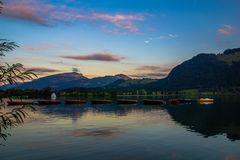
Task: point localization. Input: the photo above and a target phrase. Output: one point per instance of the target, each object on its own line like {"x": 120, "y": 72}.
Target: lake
{"x": 128, "y": 132}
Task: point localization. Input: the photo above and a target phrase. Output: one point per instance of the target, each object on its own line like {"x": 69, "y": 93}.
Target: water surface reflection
{"x": 190, "y": 131}
{"x": 208, "y": 120}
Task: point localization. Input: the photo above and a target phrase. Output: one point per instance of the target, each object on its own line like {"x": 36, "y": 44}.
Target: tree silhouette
{"x": 11, "y": 74}
{"x": 1, "y": 6}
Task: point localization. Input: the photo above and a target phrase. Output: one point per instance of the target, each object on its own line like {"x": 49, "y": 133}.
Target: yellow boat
{"x": 206, "y": 101}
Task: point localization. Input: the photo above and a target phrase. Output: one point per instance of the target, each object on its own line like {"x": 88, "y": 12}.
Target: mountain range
{"x": 206, "y": 70}
{"x": 67, "y": 80}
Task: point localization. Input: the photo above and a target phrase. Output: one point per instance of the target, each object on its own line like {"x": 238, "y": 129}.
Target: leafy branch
{"x": 13, "y": 118}
{"x": 11, "y": 74}
{"x": 1, "y": 6}
{"x": 6, "y": 46}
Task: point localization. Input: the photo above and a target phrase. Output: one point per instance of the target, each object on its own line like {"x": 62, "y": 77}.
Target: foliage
{"x": 1, "y": 6}
{"x": 12, "y": 118}
{"x": 10, "y": 74}
{"x": 27, "y": 93}
{"x": 229, "y": 58}
{"x": 6, "y": 46}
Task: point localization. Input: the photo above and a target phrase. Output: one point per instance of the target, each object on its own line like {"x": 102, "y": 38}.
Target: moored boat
{"x": 101, "y": 101}
{"x": 186, "y": 100}
{"x": 72, "y": 102}
{"x": 48, "y": 102}
{"x": 205, "y": 103}
{"x": 173, "y": 101}
{"x": 154, "y": 102}
{"x": 206, "y": 100}
{"x": 181, "y": 101}
{"x": 19, "y": 103}
{"x": 126, "y": 101}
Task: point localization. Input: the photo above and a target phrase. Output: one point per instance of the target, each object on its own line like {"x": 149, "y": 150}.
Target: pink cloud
{"x": 120, "y": 20}
{"x": 226, "y": 30}
{"x": 43, "y": 70}
{"x": 149, "y": 75}
{"x": 105, "y": 132}
{"x": 102, "y": 56}
{"x": 25, "y": 11}
{"x": 155, "y": 68}
{"x": 152, "y": 71}
{"x": 46, "y": 14}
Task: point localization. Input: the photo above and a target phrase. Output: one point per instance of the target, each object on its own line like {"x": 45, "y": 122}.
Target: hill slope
{"x": 68, "y": 80}
{"x": 206, "y": 70}
{"x": 53, "y": 81}
{"x": 202, "y": 71}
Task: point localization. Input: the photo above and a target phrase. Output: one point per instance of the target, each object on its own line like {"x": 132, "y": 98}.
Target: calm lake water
{"x": 129, "y": 132}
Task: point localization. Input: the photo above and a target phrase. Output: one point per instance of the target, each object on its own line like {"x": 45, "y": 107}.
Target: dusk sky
{"x": 139, "y": 38}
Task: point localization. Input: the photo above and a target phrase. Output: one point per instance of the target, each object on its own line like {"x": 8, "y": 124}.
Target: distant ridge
{"x": 68, "y": 80}
{"x": 205, "y": 70}
{"x": 52, "y": 81}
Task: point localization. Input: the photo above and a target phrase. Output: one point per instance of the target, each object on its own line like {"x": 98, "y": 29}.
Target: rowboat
{"x": 206, "y": 100}
{"x": 101, "y": 102}
{"x": 154, "y": 102}
{"x": 186, "y": 100}
{"x": 173, "y": 101}
{"x": 72, "y": 102}
{"x": 19, "y": 103}
{"x": 126, "y": 101}
{"x": 48, "y": 102}
{"x": 181, "y": 101}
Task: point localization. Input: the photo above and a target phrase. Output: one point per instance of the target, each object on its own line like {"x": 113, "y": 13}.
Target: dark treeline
{"x": 27, "y": 94}
{"x": 101, "y": 92}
